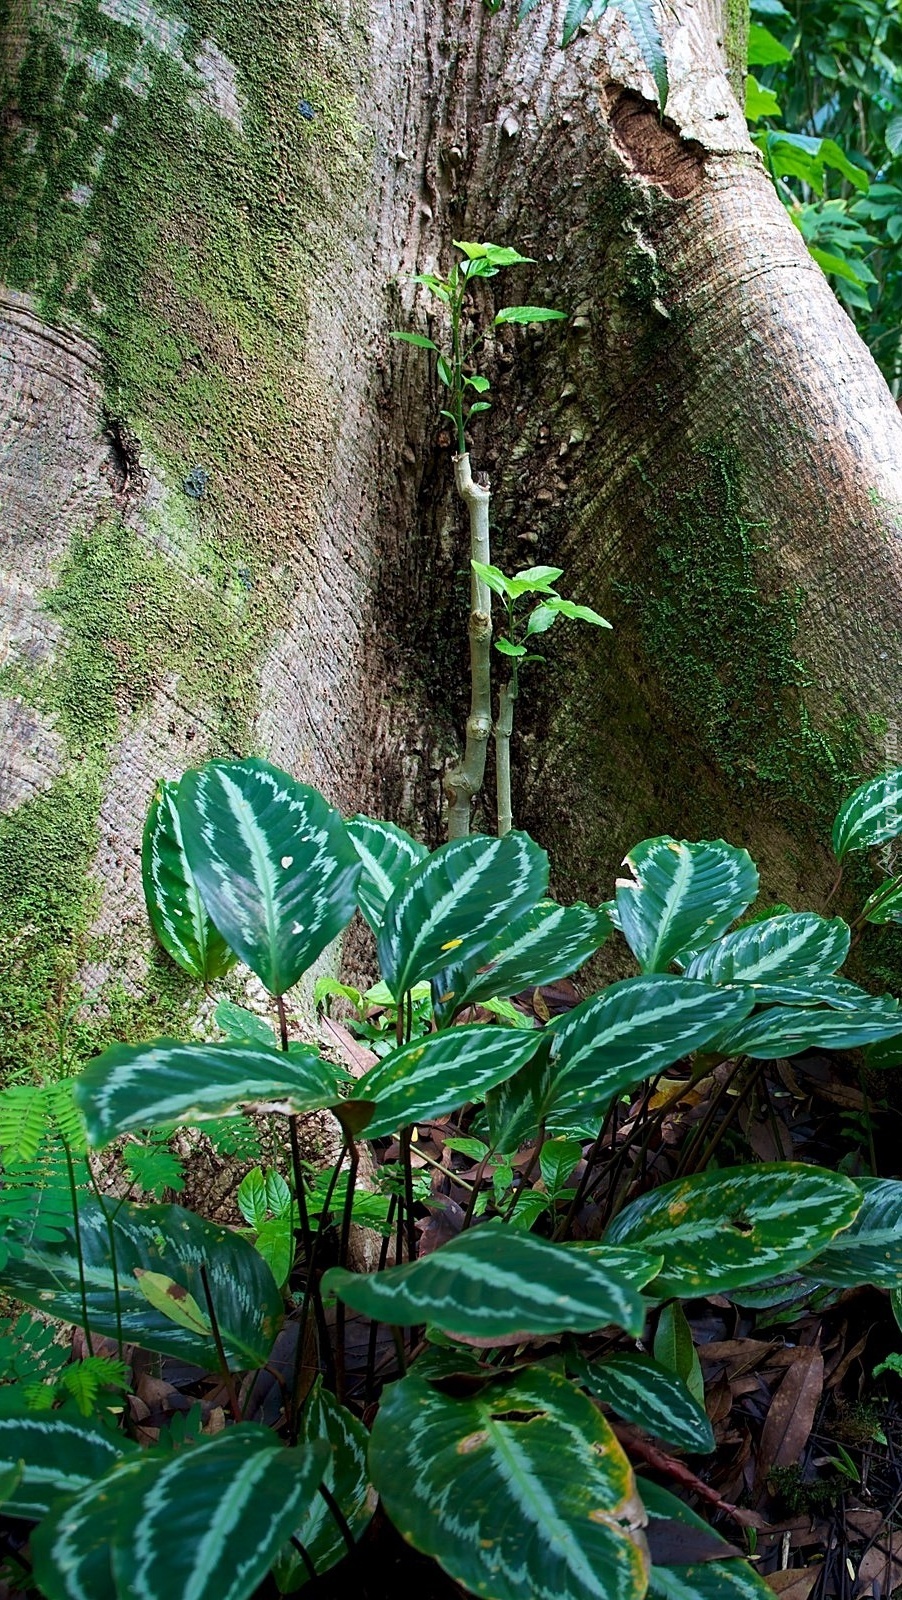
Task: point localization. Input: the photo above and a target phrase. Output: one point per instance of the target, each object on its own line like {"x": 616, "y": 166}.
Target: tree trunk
{"x": 229, "y": 513}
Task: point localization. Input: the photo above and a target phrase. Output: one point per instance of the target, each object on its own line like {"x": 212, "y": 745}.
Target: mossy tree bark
{"x": 230, "y": 519}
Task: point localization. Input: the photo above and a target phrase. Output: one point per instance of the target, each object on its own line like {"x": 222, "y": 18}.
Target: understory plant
{"x": 467, "y": 391}
{"x": 498, "y": 1378}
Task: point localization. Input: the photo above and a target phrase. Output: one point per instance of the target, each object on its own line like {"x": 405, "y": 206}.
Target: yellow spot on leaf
{"x": 473, "y": 1441}
{"x": 452, "y": 944}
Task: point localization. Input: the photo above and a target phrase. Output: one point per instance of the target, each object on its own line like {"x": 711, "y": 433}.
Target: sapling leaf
{"x": 505, "y": 647}
{"x": 419, "y": 339}
{"x": 524, "y": 314}
{"x": 478, "y": 382}
{"x": 567, "y": 608}
{"x": 541, "y": 620}
{"x": 480, "y": 405}
{"x": 498, "y": 255}
{"x": 444, "y": 372}
{"x": 436, "y": 286}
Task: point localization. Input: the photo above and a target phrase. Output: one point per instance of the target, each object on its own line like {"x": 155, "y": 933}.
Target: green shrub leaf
{"x": 549, "y": 942}
{"x": 643, "y": 1392}
{"x": 520, "y": 1490}
{"x": 495, "y": 1284}
{"x": 870, "y": 1250}
{"x": 177, "y": 913}
{"x": 728, "y": 1579}
{"x": 60, "y": 1454}
{"x": 453, "y": 905}
{"x": 631, "y": 1031}
{"x": 799, "y": 945}
{"x": 440, "y": 1073}
{"x": 347, "y": 1476}
{"x": 163, "y": 1239}
{"x": 273, "y": 862}
{"x": 785, "y": 1030}
{"x": 872, "y": 815}
{"x": 524, "y": 314}
{"x": 722, "y": 1230}
{"x": 387, "y": 853}
{"x": 148, "y": 1085}
{"x": 681, "y": 895}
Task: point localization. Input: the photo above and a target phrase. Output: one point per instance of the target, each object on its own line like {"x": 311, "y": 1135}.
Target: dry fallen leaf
{"x": 796, "y": 1583}
{"x": 791, "y": 1415}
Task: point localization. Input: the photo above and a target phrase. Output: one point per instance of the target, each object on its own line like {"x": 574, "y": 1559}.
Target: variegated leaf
{"x": 347, "y": 1477}
{"x": 177, "y": 913}
{"x": 163, "y": 1239}
{"x": 872, "y": 815}
{"x": 633, "y": 1030}
{"x": 838, "y": 993}
{"x": 453, "y": 905}
{"x": 274, "y": 864}
{"x": 60, "y": 1454}
{"x": 885, "y": 904}
{"x": 784, "y": 1030}
{"x": 72, "y": 1550}
{"x": 645, "y": 1393}
{"x": 549, "y": 942}
{"x": 801, "y": 945}
{"x": 439, "y": 1074}
{"x": 204, "y": 1522}
{"x": 520, "y": 1490}
{"x": 494, "y": 1283}
{"x": 387, "y": 854}
{"x": 724, "y": 1229}
{"x": 681, "y": 896}
{"x": 134, "y": 1086}
{"x": 729, "y": 1578}
{"x": 870, "y": 1250}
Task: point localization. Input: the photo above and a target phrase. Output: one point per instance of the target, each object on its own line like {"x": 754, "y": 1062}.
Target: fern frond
{"x": 85, "y": 1379}
{"x": 154, "y": 1168}
{"x": 64, "y": 1114}
{"x": 23, "y": 1121}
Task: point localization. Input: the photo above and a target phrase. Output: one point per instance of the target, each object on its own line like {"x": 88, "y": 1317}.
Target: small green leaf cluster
{"x": 466, "y": 388}
{"x": 531, "y": 581}
{"x": 505, "y": 1470}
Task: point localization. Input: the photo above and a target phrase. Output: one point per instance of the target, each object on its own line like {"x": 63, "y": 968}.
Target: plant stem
{"x": 111, "y": 1239}
{"x": 464, "y": 780}
{"x": 73, "y": 1195}
{"x": 305, "y": 1557}
{"x": 504, "y": 727}
{"x": 370, "y": 1373}
{"x": 338, "y": 1516}
{"x": 224, "y": 1368}
{"x": 342, "y": 1262}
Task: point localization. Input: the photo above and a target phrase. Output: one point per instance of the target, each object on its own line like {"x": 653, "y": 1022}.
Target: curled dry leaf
{"x": 792, "y": 1412}
{"x": 796, "y": 1583}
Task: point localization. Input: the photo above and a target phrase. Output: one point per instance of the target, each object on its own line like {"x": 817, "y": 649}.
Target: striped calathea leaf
{"x": 152, "y": 1085}
{"x": 496, "y": 1285}
{"x": 274, "y": 864}
{"x": 61, "y": 1454}
{"x": 347, "y": 1477}
{"x": 643, "y": 1392}
{"x": 521, "y": 1489}
{"x": 837, "y": 993}
{"x": 161, "y": 1239}
{"x": 453, "y": 905}
{"x": 800, "y": 945}
{"x": 387, "y": 854}
{"x": 870, "y": 1249}
{"x": 784, "y": 1030}
{"x": 206, "y": 1521}
{"x": 177, "y": 913}
{"x": 631, "y": 1031}
{"x": 548, "y": 942}
{"x": 681, "y": 895}
{"x": 721, "y": 1230}
{"x": 870, "y": 816}
{"x": 678, "y": 1573}
{"x": 885, "y": 904}
{"x": 439, "y": 1073}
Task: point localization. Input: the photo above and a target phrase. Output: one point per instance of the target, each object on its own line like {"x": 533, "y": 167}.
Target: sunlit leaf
{"x": 681, "y": 895}
{"x": 871, "y": 815}
{"x": 177, "y": 913}
{"x": 547, "y": 943}
{"x": 387, "y": 853}
{"x": 799, "y": 945}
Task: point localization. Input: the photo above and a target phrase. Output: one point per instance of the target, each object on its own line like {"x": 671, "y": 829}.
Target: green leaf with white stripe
{"x": 387, "y": 854}
{"x": 548, "y": 943}
{"x": 785, "y": 1030}
{"x": 872, "y": 815}
{"x": 273, "y": 861}
{"x": 205, "y": 1523}
{"x": 440, "y": 1073}
{"x": 802, "y": 945}
{"x": 643, "y": 1392}
{"x": 838, "y": 993}
{"x": 885, "y": 904}
{"x": 72, "y": 1549}
{"x": 494, "y": 1284}
{"x": 632, "y": 1031}
{"x": 151, "y": 1085}
{"x": 681, "y": 896}
{"x": 730, "y": 1578}
{"x": 346, "y": 1475}
{"x": 453, "y": 905}
{"x": 237, "y": 1022}
{"x": 164, "y": 1239}
{"x": 60, "y": 1454}
{"x": 722, "y": 1230}
{"x": 177, "y": 913}
{"x": 870, "y": 1250}
{"x": 520, "y": 1490}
